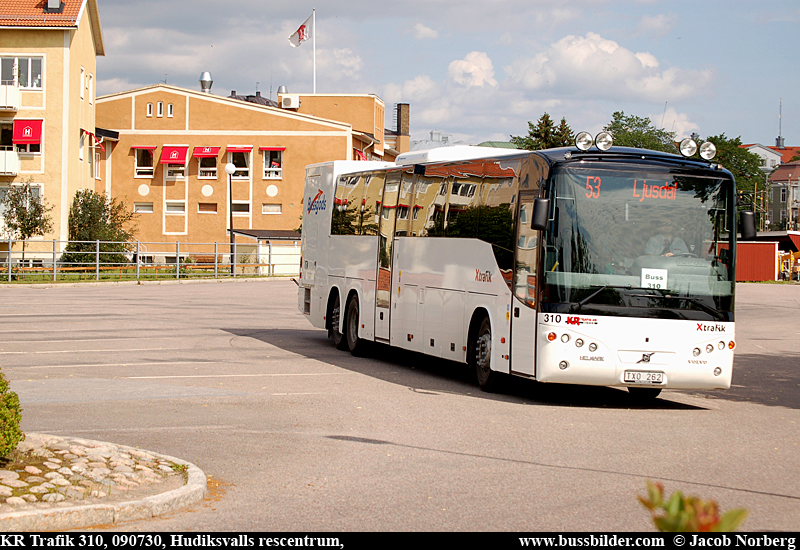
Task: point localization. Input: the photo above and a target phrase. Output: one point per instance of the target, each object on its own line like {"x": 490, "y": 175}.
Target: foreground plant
{"x": 688, "y": 513}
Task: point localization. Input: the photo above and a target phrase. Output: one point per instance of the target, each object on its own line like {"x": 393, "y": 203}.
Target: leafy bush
{"x": 688, "y": 513}
{"x": 10, "y": 417}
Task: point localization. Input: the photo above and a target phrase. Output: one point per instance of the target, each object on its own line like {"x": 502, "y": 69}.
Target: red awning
{"x": 205, "y": 152}
{"x": 239, "y": 148}
{"x": 27, "y": 132}
{"x": 174, "y": 154}
{"x": 271, "y": 148}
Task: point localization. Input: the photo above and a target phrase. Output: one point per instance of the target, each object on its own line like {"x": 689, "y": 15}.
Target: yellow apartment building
{"x": 48, "y": 51}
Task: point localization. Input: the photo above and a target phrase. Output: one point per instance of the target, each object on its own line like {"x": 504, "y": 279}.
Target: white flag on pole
{"x": 303, "y": 33}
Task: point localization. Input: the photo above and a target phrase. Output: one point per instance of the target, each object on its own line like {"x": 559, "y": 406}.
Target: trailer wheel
{"x": 481, "y": 356}
{"x": 333, "y": 330}
{"x": 354, "y": 343}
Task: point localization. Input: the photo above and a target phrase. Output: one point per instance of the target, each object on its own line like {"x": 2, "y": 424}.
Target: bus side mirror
{"x": 748, "y": 225}
{"x": 541, "y": 209}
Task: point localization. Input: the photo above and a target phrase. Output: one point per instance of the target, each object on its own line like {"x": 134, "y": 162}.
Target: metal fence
{"x": 102, "y": 260}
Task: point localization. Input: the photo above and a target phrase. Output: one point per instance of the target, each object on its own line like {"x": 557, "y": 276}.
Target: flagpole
{"x": 314, "y": 49}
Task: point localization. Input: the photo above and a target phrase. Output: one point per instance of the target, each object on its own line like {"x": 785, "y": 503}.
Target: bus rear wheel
{"x": 354, "y": 343}
{"x": 333, "y": 331}
{"x": 643, "y": 394}
{"x": 481, "y": 356}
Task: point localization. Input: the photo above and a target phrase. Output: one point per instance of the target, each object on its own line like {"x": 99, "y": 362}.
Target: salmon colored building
{"x": 48, "y": 51}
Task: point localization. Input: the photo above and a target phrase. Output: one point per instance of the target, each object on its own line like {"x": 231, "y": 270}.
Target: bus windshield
{"x": 644, "y": 240}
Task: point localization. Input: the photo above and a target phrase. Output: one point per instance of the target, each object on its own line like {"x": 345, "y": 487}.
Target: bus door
{"x": 386, "y": 223}
{"x": 526, "y": 285}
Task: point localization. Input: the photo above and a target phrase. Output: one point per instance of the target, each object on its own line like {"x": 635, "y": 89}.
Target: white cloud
{"x": 422, "y": 32}
{"x": 673, "y": 121}
{"x": 475, "y": 69}
{"x": 658, "y": 25}
{"x": 594, "y": 67}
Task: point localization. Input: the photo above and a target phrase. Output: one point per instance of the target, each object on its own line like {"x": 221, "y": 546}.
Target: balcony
{"x": 10, "y": 97}
{"x": 9, "y": 161}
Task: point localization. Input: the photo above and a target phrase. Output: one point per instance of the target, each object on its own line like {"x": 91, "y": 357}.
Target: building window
{"x": 402, "y": 212}
{"x": 273, "y": 165}
{"x": 97, "y": 165}
{"x": 90, "y": 88}
{"x": 160, "y": 109}
{"x": 783, "y": 194}
{"x": 81, "y": 146}
{"x": 176, "y": 171}
{"x": 29, "y": 71}
{"x": 170, "y": 110}
{"x": 207, "y": 168}
{"x": 143, "y": 207}
{"x": 269, "y": 208}
{"x": 36, "y": 192}
{"x": 240, "y": 208}
{"x": 207, "y": 208}
{"x": 149, "y": 109}
{"x": 242, "y": 163}
{"x": 144, "y": 163}
{"x": 176, "y": 207}
{"x": 83, "y": 81}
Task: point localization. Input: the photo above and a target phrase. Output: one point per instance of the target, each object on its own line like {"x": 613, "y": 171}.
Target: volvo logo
{"x": 646, "y": 357}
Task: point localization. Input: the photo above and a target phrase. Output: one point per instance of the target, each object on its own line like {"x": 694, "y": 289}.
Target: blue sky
{"x": 480, "y": 70}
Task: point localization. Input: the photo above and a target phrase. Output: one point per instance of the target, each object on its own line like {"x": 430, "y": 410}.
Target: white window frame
{"x": 176, "y": 171}
{"x": 783, "y": 194}
{"x": 143, "y": 207}
{"x": 81, "y": 146}
{"x": 241, "y": 213}
{"x": 170, "y": 110}
{"x": 149, "y": 109}
{"x": 160, "y": 109}
{"x": 90, "y": 88}
{"x": 97, "y": 159}
{"x": 144, "y": 171}
{"x": 82, "y": 83}
{"x": 207, "y": 173}
{"x": 269, "y": 208}
{"x": 15, "y": 60}
{"x": 176, "y": 208}
{"x": 241, "y": 173}
{"x": 271, "y": 173}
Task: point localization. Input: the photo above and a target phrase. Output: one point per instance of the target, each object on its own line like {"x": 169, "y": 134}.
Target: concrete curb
{"x": 78, "y": 516}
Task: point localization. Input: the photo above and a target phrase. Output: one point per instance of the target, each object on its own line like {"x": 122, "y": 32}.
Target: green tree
{"x": 744, "y": 165}
{"x": 634, "y": 131}
{"x": 545, "y": 135}
{"x": 97, "y": 217}
{"x": 26, "y": 214}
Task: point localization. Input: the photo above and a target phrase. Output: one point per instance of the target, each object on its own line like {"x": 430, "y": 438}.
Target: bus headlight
{"x": 551, "y": 336}
{"x": 579, "y": 342}
{"x": 604, "y": 141}
{"x": 708, "y": 150}
{"x": 592, "y": 347}
{"x": 563, "y": 365}
{"x": 709, "y": 348}
{"x": 696, "y": 352}
{"x": 721, "y": 345}
{"x": 688, "y": 147}
{"x": 717, "y": 371}
{"x": 583, "y": 141}
{"x": 565, "y": 338}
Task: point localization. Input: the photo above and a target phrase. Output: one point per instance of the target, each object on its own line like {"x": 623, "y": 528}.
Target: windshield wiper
{"x": 574, "y": 308}
{"x": 695, "y": 301}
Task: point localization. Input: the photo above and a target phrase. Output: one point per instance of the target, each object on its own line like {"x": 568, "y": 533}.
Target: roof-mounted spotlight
{"x": 583, "y": 141}
{"x": 604, "y": 141}
{"x": 708, "y": 150}
{"x": 688, "y": 147}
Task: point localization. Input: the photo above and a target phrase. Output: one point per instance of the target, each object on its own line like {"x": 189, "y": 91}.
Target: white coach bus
{"x": 591, "y": 264}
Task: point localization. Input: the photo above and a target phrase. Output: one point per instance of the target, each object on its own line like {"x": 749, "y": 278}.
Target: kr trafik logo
{"x": 483, "y": 276}
{"x": 716, "y": 327}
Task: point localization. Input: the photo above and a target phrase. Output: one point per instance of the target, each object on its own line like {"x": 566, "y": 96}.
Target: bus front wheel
{"x": 354, "y": 343}
{"x": 481, "y": 356}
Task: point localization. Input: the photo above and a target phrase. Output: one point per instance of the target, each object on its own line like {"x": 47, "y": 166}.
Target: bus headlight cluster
{"x": 602, "y": 141}
{"x": 565, "y": 338}
{"x": 688, "y": 147}
{"x": 710, "y": 347}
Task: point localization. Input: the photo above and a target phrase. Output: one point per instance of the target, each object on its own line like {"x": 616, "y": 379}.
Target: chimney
{"x": 206, "y": 82}
{"x": 403, "y": 128}
{"x": 258, "y": 94}
{"x": 779, "y": 142}
{"x": 53, "y": 4}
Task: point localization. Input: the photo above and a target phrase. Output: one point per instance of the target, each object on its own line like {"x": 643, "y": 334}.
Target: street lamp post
{"x": 230, "y": 168}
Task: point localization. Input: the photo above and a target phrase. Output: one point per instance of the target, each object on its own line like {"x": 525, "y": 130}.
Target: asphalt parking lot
{"x": 297, "y": 436}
